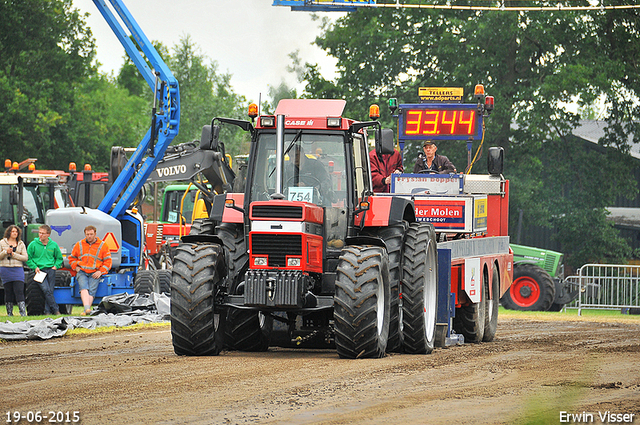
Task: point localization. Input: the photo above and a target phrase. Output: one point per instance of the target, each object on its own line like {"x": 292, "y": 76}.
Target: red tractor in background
{"x": 310, "y": 249}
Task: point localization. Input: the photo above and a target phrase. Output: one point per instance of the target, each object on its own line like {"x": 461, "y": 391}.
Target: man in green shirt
{"x": 45, "y": 256}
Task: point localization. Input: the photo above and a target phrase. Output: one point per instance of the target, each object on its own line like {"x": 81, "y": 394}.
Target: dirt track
{"x": 533, "y": 369}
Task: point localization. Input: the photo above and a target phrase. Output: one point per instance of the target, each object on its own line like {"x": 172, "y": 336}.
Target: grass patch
{"x": 588, "y": 315}
{"x": 112, "y": 329}
{"x": 17, "y": 318}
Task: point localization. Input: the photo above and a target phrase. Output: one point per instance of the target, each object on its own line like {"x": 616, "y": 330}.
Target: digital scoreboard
{"x": 440, "y": 122}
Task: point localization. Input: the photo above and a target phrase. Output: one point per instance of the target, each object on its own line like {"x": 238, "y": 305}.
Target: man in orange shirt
{"x": 90, "y": 259}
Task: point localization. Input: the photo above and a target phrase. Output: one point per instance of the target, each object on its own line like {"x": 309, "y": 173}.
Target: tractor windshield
{"x": 313, "y": 168}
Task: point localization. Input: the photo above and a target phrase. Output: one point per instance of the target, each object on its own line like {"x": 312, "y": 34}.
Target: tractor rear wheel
{"x": 491, "y": 313}
{"x": 393, "y": 236}
{"x": 164, "y": 281}
{"x": 532, "y": 289}
{"x": 202, "y": 226}
{"x": 145, "y": 282}
{"x": 420, "y": 289}
{"x": 361, "y": 302}
{"x": 470, "y": 319}
{"x": 33, "y": 295}
{"x": 196, "y": 274}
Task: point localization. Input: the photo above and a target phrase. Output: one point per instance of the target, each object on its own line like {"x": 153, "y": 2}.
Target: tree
{"x": 46, "y": 52}
{"x": 204, "y": 94}
{"x": 533, "y": 63}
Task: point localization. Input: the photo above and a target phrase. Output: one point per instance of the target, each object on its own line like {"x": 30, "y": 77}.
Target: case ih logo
{"x": 298, "y": 122}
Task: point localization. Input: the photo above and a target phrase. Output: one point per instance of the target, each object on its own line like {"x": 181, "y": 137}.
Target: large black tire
{"x": 197, "y": 271}
{"x": 245, "y": 330}
{"x": 145, "y": 282}
{"x": 491, "y": 313}
{"x": 361, "y": 308}
{"x": 164, "y": 281}
{"x": 393, "y": 236}
{"x": 34, "y": 298}
{"x": 420, "y": 289}
{"x": 556, "y": 307}
{"x": 63, "y": 279}
{"x": 532, "y": 289}
{"x": 470, "y": 319}
{"x": 202, "y": 226}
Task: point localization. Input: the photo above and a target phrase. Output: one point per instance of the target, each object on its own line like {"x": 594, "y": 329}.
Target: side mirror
{"x": 13, "y": 196}
{"x": 495, "y": 162}
{"x": 205, "y": 138}
{"x": 384, "y": 141}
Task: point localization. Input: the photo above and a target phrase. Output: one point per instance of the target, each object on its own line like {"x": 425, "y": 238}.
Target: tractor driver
{"x": 305, "y": 171}
{"x": 431, "y": 162}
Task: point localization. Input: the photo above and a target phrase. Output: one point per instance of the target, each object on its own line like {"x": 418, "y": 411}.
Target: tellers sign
{"x": 441, "y": 122}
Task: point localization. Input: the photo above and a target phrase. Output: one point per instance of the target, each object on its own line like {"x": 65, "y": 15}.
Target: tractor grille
{"x": 277, "y": 247}
{"x": 548, "y": 263}
{"x": 276, "y": 211}
{"x": 159, "y": 234}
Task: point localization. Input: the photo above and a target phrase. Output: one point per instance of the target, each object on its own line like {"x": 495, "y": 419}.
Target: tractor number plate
{"x": 301, "y": 194}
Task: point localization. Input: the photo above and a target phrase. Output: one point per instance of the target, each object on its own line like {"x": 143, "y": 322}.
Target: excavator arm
{"x": 186, "y": 161}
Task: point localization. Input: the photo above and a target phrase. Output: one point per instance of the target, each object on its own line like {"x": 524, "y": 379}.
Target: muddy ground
{"x": 532, "y": 373}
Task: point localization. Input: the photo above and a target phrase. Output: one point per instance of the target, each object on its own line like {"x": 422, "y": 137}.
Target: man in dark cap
{"x": 431, "y": 162}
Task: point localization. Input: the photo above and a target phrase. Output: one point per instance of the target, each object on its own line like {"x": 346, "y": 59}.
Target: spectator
{"x": 45, "y": 256}
{"x": 13, "y": 254}
{"x": 90, "y": 259}
{"x": 431, "y": 162}
{"x": 382, "y": 166}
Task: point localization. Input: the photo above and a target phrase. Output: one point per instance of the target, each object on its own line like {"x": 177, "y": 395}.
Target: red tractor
{"x": 310, "y": 252}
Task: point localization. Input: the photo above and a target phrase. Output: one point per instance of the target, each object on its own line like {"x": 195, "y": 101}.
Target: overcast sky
{"x": 250, "y": 39}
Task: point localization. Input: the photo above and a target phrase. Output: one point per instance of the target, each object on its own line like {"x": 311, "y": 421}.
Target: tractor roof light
{"x": 72, "y": 167}
{"x": 488, "y": 104}
{"x": 32, "y": 167}
{"x": 268, "y": 121}
{"x": 253, "y": 111}
{"x": 393, "y": 104}
{"x": 15, "y": 166}
{"x": 334, "y": 122}
{"x": 478, "y": 93}
{"x": 7, "y": 164}
{"x": 374, "y": 112}
{"x": 87, "y": 167}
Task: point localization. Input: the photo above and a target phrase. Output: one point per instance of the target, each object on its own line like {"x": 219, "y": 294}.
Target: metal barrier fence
{"x": 606, "y": 286}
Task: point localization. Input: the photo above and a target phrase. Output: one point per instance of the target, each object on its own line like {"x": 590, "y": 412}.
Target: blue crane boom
{"x": 165, "y": 116}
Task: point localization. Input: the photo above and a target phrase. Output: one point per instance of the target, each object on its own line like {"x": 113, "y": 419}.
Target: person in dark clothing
{"x": 431, "y": 162}
{"x": 382, "y": 166}
{"x": 13, "y": 255}
{"x": 304, "y": 171}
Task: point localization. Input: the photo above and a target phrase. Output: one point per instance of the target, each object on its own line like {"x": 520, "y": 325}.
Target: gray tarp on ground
{"x": 115, "y": 310}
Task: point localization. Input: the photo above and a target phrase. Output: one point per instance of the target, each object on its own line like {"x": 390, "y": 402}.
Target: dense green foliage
{"x": 534, "y": 63}
{"x": 58, "y": 107}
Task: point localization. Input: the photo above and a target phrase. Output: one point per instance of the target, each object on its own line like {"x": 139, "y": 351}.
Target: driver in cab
{"x": 306, "y": 171}
{"x": 431, "y": 162}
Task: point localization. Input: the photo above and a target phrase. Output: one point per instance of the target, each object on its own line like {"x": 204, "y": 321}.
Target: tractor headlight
{"x": 260, "y": 261}
{"x": 293, "y": 262}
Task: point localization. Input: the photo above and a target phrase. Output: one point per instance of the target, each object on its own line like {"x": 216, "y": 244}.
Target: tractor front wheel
{"x": 361, "y": 308}
{"x": 195, "y": 324}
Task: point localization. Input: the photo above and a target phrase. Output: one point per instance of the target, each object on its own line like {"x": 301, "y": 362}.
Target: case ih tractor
{"x": 309, "y": 249}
